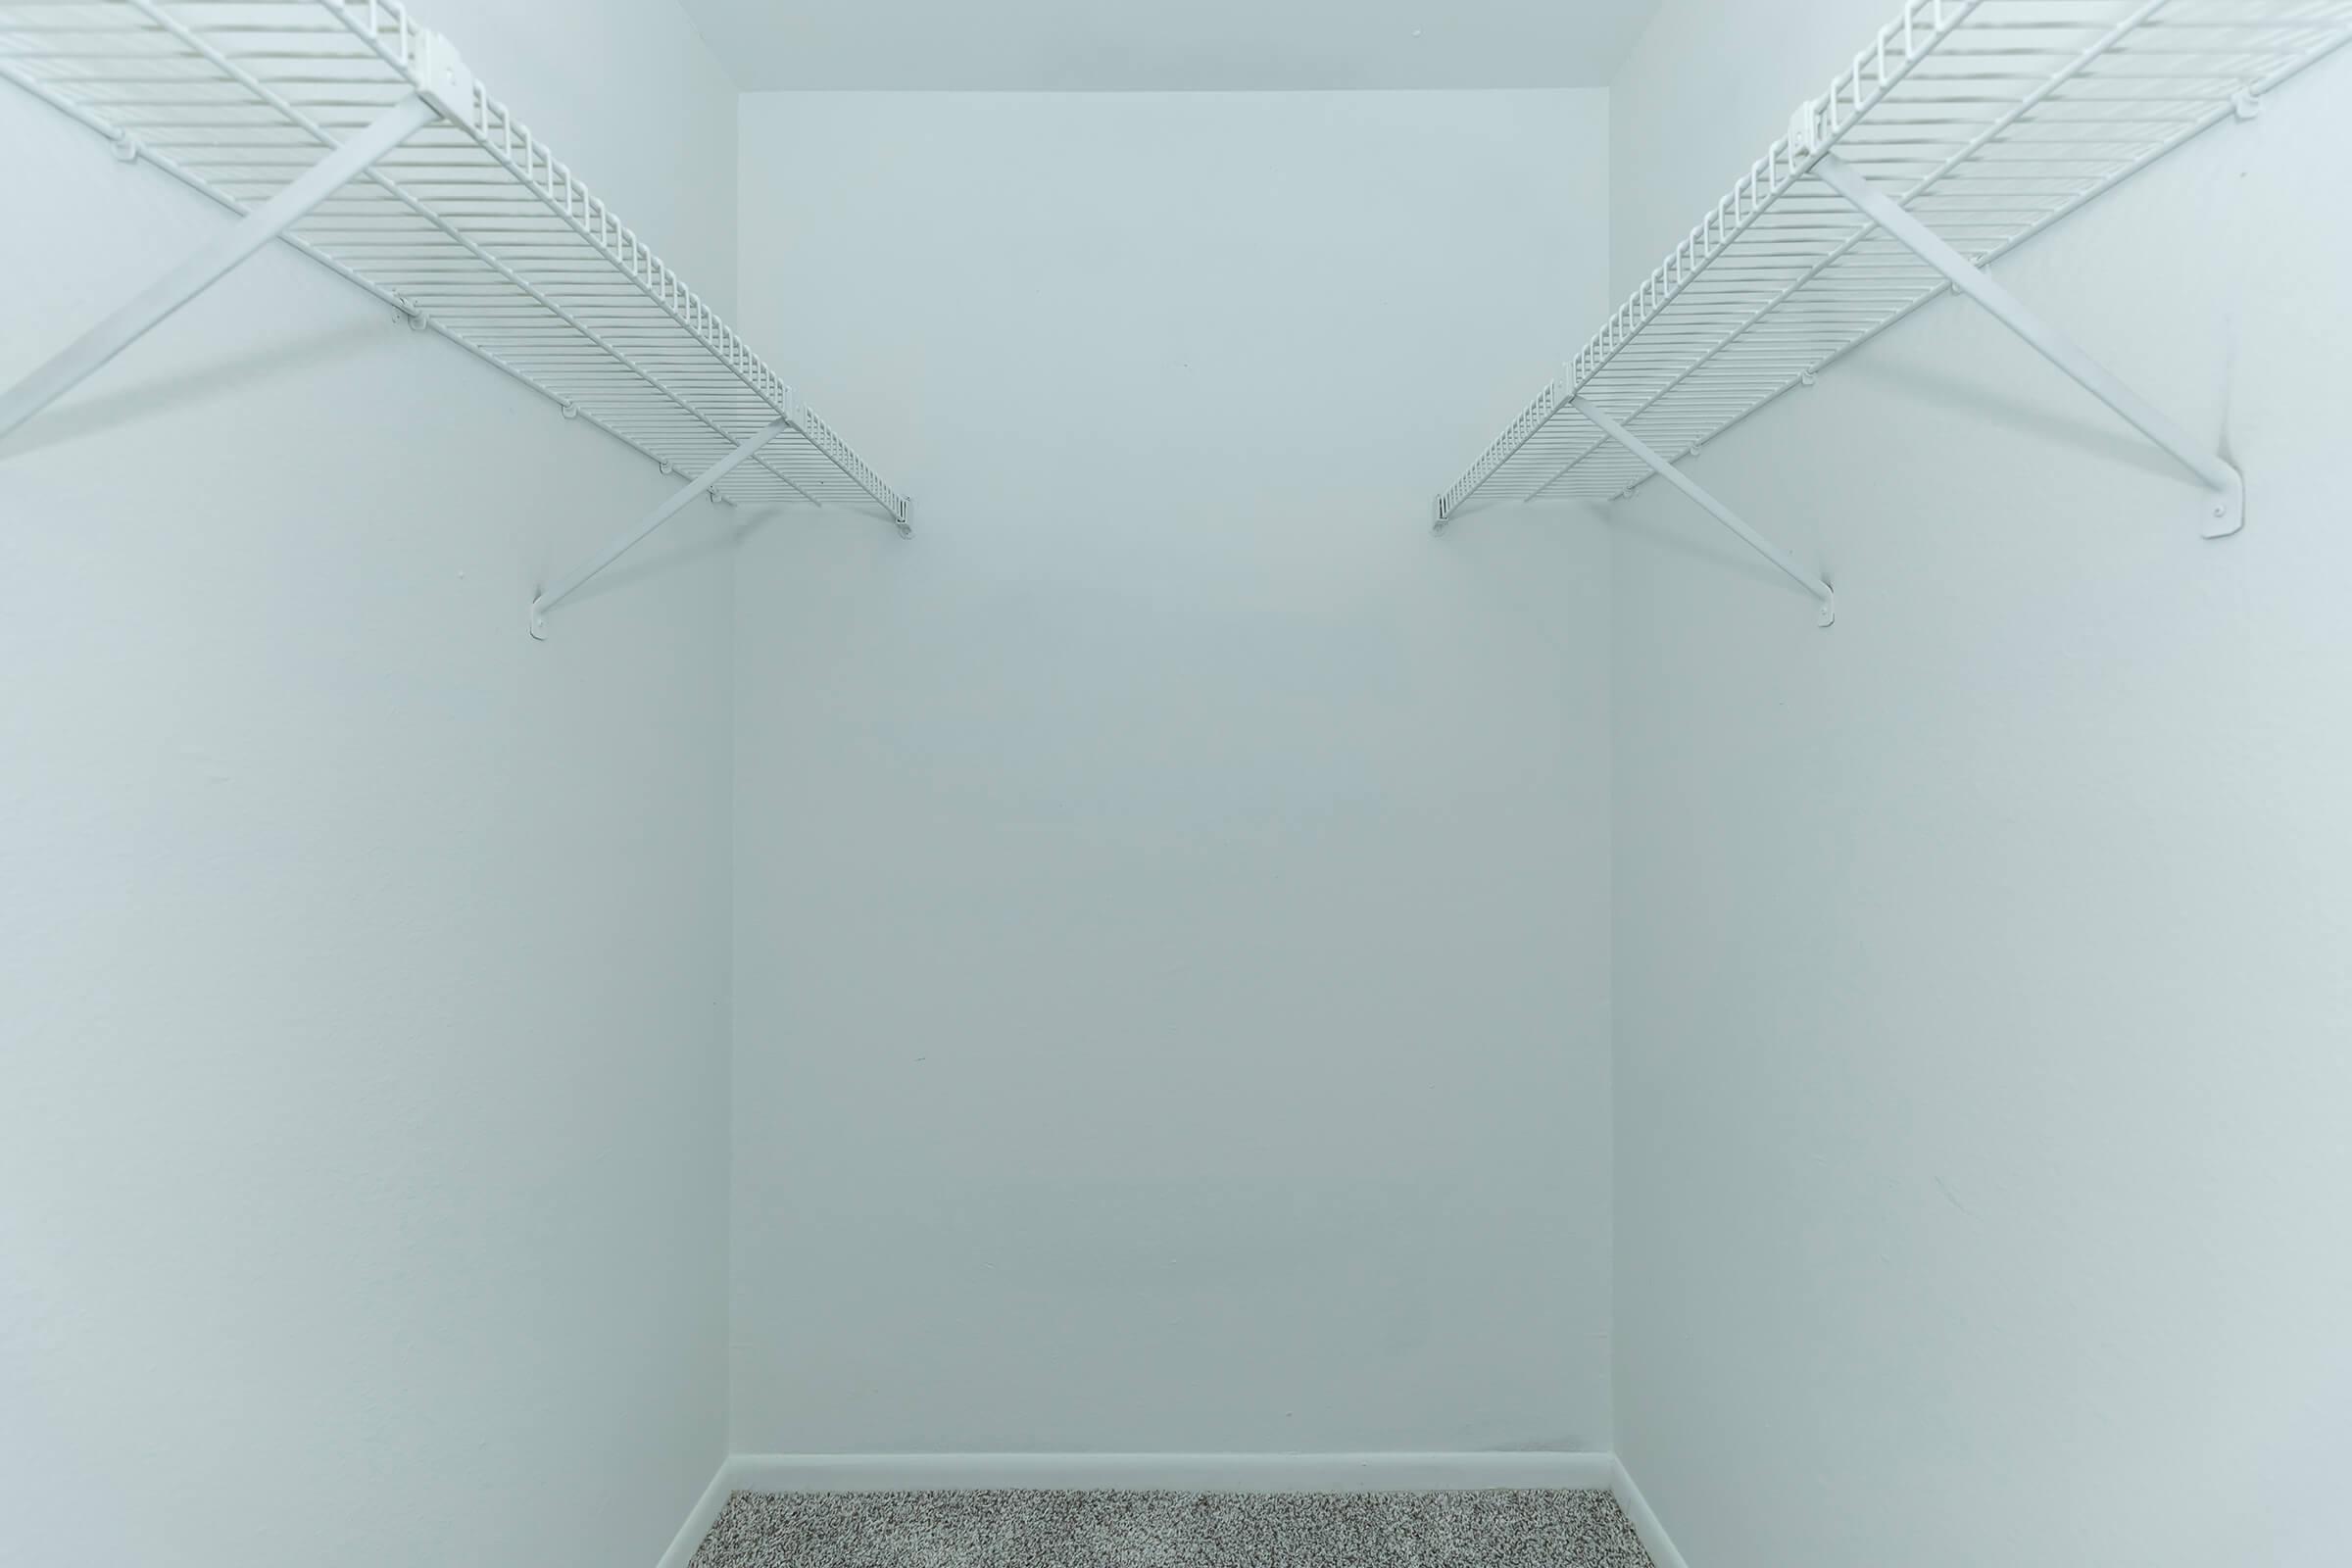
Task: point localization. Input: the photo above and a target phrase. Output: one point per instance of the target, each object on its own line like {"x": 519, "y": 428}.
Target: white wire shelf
{"x": 1986, "y": 120}
{"x": 468, "y": 226}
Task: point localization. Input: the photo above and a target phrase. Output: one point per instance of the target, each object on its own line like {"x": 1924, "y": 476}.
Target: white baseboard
{"x": 698, "y": 1523}
{"x": 1167, "y": 1472}
{"x": 1646, "y": 1523}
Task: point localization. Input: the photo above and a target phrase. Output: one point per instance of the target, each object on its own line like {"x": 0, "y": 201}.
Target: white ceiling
{"x": 1169, "y": 45}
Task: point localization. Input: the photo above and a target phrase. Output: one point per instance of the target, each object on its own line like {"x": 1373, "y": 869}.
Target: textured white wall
{"x": 1981, "y": 981}
{"x": 1172, "y": 896}
{"x": 363, "y": 1010}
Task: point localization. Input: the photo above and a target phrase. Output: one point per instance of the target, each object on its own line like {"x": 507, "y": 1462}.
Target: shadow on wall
{"x": 1937, "y": 394}
{"x": 2102, "y": 437}
{"x": 205, "y": 383}
{"x": 1714, "y": 547}
{"x": 692, "y": 540}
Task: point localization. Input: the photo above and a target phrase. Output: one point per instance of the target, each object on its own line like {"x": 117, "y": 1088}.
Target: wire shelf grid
{"x": 471, "y": 227}
{"x": 1989, "y": 120}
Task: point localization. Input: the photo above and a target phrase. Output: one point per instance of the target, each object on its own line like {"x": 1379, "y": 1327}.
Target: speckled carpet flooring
{"x": 1544, "y": 1529}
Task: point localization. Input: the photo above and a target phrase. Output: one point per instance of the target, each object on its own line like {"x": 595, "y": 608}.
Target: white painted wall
{"x": 1171, "y": 898}
{"x": 1980, "y": 982}
{"x": 1217, "y": 45}
{"x": 363, "y": 1012}
{"x": 1172, "y": 891}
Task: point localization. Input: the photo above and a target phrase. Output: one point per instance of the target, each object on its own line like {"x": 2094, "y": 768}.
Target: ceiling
{"x": 1168, "y": 45}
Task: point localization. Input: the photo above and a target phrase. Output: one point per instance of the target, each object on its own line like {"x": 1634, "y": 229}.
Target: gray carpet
{"x": 1546, "y": 1529}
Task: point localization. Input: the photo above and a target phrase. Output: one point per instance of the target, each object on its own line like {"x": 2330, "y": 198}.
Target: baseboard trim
{"x": 1644, "y": 1521}
{"x": 706, "y": 1514}
{"x": 1167, "y": 1472}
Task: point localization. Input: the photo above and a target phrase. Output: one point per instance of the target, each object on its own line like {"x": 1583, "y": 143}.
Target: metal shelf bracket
{"x": 215, "y": 261}
{"x": 2225, "y": 509}
{"x": 1656, "y": 460}
{"x": 548, "y": 598}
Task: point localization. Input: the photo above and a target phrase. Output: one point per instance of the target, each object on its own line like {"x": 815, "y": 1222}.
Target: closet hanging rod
{"x": 1964, "y": 129}
{"x": 295, "y": 115}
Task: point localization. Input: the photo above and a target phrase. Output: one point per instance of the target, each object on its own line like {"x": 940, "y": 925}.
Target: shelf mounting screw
{"x": 2247, "y": 103}
{"x": 571, "y": 410}
{"x": 126, "y": 147}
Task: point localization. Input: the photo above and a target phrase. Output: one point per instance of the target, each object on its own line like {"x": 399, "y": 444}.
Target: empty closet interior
{"x": 1570, "y": 779}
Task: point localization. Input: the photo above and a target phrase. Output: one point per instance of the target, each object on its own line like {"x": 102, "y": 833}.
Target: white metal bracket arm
{"x": 2225, "y": 513}
{"x": 553, "y": 595}
{"x": 213, "y": 262}
{"x": 1610, "y": 427}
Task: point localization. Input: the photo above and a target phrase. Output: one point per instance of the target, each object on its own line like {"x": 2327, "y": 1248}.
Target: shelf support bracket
{"x": 2225, "y": 511}
{"x": 550, "y": 597}
{"x": 1786, "y": 563}
{"x": 200, "y": 271}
